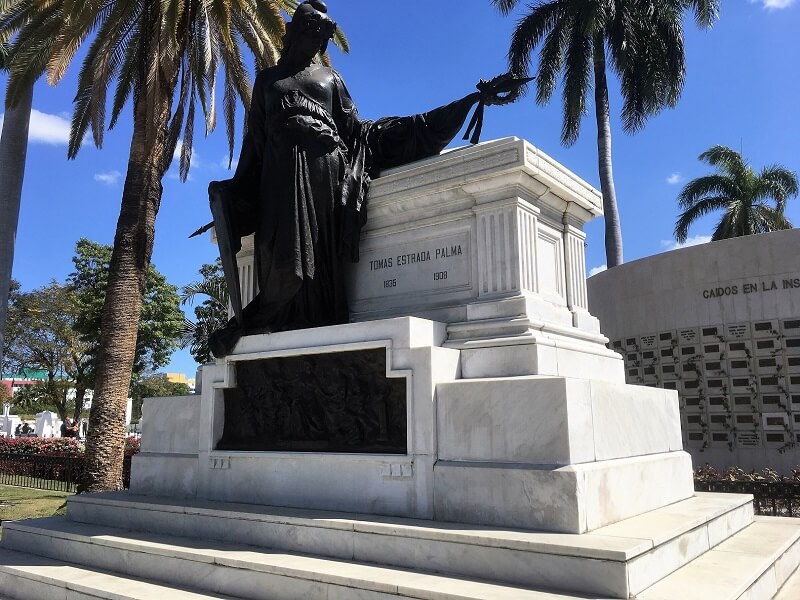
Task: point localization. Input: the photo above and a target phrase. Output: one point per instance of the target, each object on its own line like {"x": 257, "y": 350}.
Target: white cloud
{"x": 668, "y": 245}
{"x": 597, "y": 270}
{"x": 108, "y": 178}
{"x": 774, "y": 4}
{"x": 46, "y": 129}
{"x": 675, "y": 179}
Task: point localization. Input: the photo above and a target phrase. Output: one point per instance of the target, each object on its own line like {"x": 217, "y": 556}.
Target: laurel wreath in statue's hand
{"x": 500, "y": 90}
{"x": 503, "y": 89}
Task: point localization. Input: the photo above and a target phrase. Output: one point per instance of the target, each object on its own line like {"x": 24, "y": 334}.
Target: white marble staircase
{"x": 123, "y": 546}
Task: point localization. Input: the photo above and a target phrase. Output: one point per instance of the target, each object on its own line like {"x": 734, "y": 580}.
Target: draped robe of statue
{"x": 301, "y": 187}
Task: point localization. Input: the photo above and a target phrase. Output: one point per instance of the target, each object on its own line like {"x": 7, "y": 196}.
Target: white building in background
{"x": 720, "y": 323}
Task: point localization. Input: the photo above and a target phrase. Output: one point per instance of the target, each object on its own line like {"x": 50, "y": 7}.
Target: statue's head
{"x": 310, "y": 20}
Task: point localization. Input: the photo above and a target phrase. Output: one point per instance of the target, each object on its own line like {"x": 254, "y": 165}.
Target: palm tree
{"x": 210, "y": 315}
{"x": 642, "y": 39}
{"x": 165, "y": 56}
{"x": 13, "y": 151}
{"x": 740, "y": 192}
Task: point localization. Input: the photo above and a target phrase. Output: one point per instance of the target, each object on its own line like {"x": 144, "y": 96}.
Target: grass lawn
{"x": 27, "y": 503}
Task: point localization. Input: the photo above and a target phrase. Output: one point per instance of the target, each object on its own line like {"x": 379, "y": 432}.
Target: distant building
{"x": 17, "y": 381}
{"x": 180, "y": 378}
{"x": 14, "y": 383}
{"x": 719, "y": 323}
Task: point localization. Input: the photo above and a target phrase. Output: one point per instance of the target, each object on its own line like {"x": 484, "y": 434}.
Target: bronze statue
{"x": 302, "y": 180}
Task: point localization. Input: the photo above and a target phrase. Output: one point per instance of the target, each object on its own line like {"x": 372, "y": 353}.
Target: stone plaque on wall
{"x": 338, "y": 402}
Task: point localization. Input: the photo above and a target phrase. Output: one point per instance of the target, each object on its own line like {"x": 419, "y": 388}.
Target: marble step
{"x": 227, "y": 573}
{"x": 751, "y": 565}
{"x": 28, "y": 577}
{"x": 790, "y": 589}
{"x": 616, "y": 561}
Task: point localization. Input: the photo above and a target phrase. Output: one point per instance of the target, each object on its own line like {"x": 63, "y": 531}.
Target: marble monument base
{"x": 543, "y": 452}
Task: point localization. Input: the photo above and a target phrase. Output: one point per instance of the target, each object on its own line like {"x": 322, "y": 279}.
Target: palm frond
{"x": 650, "y": 62}
{"x": 172, "y": 12}
{"x": 551, "y": 61}
{"x": 111, "y": 54}
{"x": 71, "y": 36}
{"x": 726, "y": 159}
{"x": 30, "y": 51}
{"x": 778, "y": 183}
{"x": 544, "y": 20}
{"x": 186, "y": 146}
{"x": 4, "y": 55}
{"x": 128, "y": 76}
{"x": 706, "y": 11}
{"x": 694, "y": 212}
{"x": 229, "y": 109}
{"x": 82, "y": 113}
{"x": 725, "y": 229}
{"x": 505, "y": 6}
{"x": 14, "y": 16}
{"x": 216, "y": 290}
{"x": 771, "y": 219}
{"x": 577, "y": 75}
{"x": 176, "y": 124}
{"x": 708, "y": 185}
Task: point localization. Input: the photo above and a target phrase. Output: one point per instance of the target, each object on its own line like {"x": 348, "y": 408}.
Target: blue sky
{"x": 742, "y": 90}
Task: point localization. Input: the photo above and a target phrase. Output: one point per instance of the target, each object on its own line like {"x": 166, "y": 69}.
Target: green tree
{"x": 154, "y": 386}
{"x": 57, "y": 329}
{"x": 52, "y": 395}
{"x": 161, "y": 322}
{"x": 211, "y": 314}
{"x": 13, "y": 152}
{"x": 739, "y": 191}
{"x": 165, "y": 56}
{"x": 41, "y": 323}
{"x": 640, "y": 40}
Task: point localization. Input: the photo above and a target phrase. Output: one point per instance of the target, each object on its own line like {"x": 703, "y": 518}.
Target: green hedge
{"x": 57, "y": 446}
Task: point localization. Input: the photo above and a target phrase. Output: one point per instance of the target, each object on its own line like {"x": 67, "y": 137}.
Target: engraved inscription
{"x": 423, "y": 266}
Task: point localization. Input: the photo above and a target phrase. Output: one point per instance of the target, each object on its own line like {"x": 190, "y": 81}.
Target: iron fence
{"x": 770, "y": 498}
{"x": 56, "y": 473}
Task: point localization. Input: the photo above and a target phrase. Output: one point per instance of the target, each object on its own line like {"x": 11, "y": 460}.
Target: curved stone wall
{"x": 720, "y": 323}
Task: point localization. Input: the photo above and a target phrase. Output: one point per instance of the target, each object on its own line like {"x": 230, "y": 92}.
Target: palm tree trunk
{"x": 130, "y": 260}
{"x": 13, "y": 151}
{"x": 611, "y": 213}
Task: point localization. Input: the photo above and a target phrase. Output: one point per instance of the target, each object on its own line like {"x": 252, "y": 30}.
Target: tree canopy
{"x": 161, "y": 323}
{"x": 41, "y": 335}
{"x": 56, "y": 328}
{"x": 739, "y": 191}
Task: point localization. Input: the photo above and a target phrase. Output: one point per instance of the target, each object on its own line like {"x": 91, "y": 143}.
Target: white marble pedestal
{"x": 538, "y": 452}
